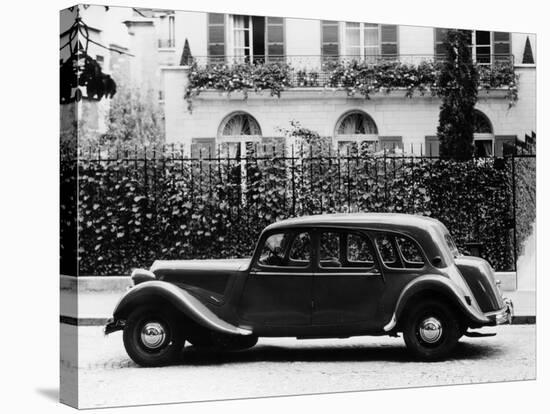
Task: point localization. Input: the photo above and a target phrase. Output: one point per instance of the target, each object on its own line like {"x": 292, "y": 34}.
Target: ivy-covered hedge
{"x": 524, "y": 171}
{"x": 132, "y": 212}
{"x": 356, "y": 77}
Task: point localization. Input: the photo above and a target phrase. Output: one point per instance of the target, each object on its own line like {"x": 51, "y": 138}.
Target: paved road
{"x": 107, "y": 377}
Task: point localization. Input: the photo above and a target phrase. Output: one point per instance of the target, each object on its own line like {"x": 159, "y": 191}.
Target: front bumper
{"x": 502, "y": 316}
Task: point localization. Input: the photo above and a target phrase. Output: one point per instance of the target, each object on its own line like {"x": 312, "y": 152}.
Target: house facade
{"x": 152, "y": 42}
{"x": 389, "y": 120}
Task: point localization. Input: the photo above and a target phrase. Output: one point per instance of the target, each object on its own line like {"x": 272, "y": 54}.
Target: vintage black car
{"x": 326, "y": 276}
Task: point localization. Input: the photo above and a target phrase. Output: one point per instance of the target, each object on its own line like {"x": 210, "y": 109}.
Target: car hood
{"x": 201, "y": 265}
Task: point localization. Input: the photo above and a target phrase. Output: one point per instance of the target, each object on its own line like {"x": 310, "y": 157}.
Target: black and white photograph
{"x": 260, "y": 205}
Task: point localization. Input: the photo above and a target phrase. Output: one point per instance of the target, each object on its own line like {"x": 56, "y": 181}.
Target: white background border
{"x": 29, "y": 204}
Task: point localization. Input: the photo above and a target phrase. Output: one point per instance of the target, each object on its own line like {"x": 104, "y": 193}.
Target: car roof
{"x": 386, "y": 221}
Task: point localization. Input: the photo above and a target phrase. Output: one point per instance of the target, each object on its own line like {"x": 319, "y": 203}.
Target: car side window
{"x": 300, "y": 250}
{"x": 408, "y": 256}
{"x": 286, "y": 249}
{"x": 386, "y": 250}
{"x": 410, "y": 251}
{"x": 345, "y": 250}
{"x": 359, "y": 251}
{"x": 329, "y": 249}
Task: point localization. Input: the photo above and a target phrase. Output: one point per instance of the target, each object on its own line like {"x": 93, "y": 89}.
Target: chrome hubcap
{"x": 430, "y": 330}
{"x": 153, "y": 335}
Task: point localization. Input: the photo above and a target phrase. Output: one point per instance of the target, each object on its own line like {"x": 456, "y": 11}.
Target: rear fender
{"x": 151, "y": 291}
{"x": 443, "y": 286}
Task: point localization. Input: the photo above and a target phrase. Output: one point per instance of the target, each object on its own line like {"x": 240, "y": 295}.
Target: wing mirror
{"x": 437, "y": 261}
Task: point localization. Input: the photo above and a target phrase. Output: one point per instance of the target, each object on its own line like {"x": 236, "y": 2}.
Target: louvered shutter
{"x": 388, "y": 40}
{"x": 216, "y": 37}
{"x": 329, "y": 40}
{"x": 275, "y": 42}
{"x": 501, "y": 46}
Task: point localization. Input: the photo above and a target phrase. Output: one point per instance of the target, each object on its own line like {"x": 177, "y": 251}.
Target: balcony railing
{"x": 317, "y": 61}
{"x": 318, "y": 71}
{"x": 166, "y": 43}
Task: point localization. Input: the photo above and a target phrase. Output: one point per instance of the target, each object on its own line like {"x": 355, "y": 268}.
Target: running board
{"x": 321, "y": 337}
{"x": 479, "y": 334}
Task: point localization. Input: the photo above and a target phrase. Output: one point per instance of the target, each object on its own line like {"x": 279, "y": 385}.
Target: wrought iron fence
{"x": 141, "y": 204}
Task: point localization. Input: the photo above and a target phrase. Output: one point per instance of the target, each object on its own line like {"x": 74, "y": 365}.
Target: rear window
{"x": 452, "y": 246}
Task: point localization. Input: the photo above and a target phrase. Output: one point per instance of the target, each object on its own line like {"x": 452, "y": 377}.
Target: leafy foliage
{"x": 524, "y": 171}
{"x": 135, "y": 118}
{"x": 500, "y": 75}
{"x": 68, "y": 200}
{"x": 458, "y": 82}
{"x": 186, "y": 57}
{"x": 242, "y": 77}
{"x": 133, "y": 211}
{"x": 528, "y": 53}
{"x": 366, "y": 78}
{"x": 355, "y": 77}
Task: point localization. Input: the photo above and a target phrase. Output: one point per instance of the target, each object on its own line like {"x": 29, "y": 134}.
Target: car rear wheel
{"x": 431, "y": 330}
{"x": 152, "y": 337}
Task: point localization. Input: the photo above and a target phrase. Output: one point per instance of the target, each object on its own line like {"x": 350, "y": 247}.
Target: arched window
{"x": 356, "y": 123}
{"x": 236, "y": 131}
{"x": 483, "y": 135}
{"x": 354, "y": 128}
{"x": 482, "y": 125}
{"x": 239, "y": 124}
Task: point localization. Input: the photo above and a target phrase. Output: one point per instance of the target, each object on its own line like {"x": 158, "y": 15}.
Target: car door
{"x": 347, "y": 282}
{"x": 277, "y": 291}
{"x": 402, "y": 260}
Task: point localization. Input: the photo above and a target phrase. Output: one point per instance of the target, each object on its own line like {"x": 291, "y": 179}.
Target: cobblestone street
{"x": 107, "y": 377}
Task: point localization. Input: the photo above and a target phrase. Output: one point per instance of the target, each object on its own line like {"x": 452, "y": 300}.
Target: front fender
{"x": 183, "y": 301}
{"x": 442, "y": 285}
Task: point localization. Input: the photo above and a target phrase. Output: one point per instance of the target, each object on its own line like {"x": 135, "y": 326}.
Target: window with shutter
{"x": 388, "y": 40}
{"x": 487, "y": 47}
{"x": 354, "y": 129}
{"x": 329, "y": 40}
{"x": 216, "y": 38}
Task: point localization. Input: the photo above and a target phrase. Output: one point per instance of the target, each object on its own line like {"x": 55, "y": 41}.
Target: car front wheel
{"x": 152, "y": 337}
{"x": 431, "y": 330}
